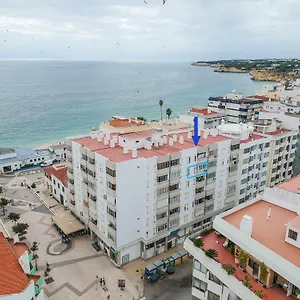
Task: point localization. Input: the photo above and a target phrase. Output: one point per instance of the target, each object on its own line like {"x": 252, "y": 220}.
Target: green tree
{"x": 168, "y": 112}
{"x": 20, "y": 228}
{"x": 3, "y": 203}
{"x": 14, "y": 217}
{"x": 212, "y": 253}
{"x": 161, "y": 103}
{"x": 34, "y": 248}
{"x": 33, "y": 186}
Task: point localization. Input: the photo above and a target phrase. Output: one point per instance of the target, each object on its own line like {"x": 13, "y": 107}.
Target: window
{"x": 162, "y": 191}
{"x": 200, "y": 285}
{"x": 174, "y": 187}
{"x": 213, "y": 296}
{"x": 54, "y": 181}
{"x": 235, "y": 147}
{"x": 58, "y": 185}
{"x": 293, "y": 235}
{"x": 175, "y": 175}
{"x": 54, "y": 191}
{"x": 162, "y": 227}
{"x": 110, "y": 172}
{"x": 162, "y": 178}
{"x": 161, "y": 215}
{"x": 215, "y": 279}
{"x": 163, "y": 165}
{"x": 199, "y": 201}
{"x": 186, "y": 218}
{"x": 111, "y": 186}
{"x": 63, "y": 189}
{"x": 174, "y": 199}
{"x": 247, "y": 150}
{"x": 174, "y": 210}
{"x": 174, "y": 222}
{"x": 175, "y": 162}
{"x": 199, "y": 267}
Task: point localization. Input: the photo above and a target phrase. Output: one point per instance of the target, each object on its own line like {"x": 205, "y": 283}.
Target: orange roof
{"x": 60, "y": 172}
{"x": 19, "y": 248}
{"x": 270, "y": 233}
{"x": 124, "y": 123}
{"x": 225, "y": 257}
{"x": 203, "y": 111}
{"x": 116, "y": 154}
{"x": 291, "y": 185}
{"x": 264, "y": 98}
{"x": 35, "y": 278}
{"x": 138, "y": 134}
{"x": 13, "y": 280}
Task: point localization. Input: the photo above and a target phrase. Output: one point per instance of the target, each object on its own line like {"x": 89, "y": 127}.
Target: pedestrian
{"x": 108, "y": 297}
{"x": 101, "y": 281}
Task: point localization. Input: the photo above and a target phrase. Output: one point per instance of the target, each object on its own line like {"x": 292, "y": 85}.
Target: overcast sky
{"x": 180, "y": 30}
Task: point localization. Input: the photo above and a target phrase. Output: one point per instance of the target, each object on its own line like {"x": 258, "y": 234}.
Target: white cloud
{"x": 189, "y": 30}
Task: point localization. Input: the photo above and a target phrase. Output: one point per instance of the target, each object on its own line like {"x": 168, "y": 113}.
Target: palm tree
{"x": 161, "y": 103}
{"x": 212, "y": 253}
{"x": 198, "y": 243}
{"x": 34, "y": 248}
{"x": 169, "y": 112}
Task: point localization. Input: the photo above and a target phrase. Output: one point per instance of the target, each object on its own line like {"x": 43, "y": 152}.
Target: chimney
{"x": 156, "y": 143}
{"x": 246, "y": 225}
{"x": 125, "y": 150}
{"x": 165, "y": 139}
{"x": 112, "y": 144}
{"x": 108, "y": 135}
{"x": 175, "y": 137}
{"x": 106, "y": 140}
{"x": 161, "y": 142}
{"x": 269, "y": 213}
{"x": 181, "y": 140}
{"x": 171, "y": 142}
{"x": 93, "y": 134}
{"x": 148, "y": 145}
{"x": 100, "y": 137}
{"x": 189, "y": 134}
{"x": 115, "y": 138}
{"x": 206, "y": 132}
{"x": 134, "y": 153}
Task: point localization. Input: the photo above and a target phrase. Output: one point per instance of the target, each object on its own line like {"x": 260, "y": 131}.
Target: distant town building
{"x": 236, "y": 108}
{"x": 207, "y": 118}
{"x": 13, "y": 159}
{"x": 18, "y": 280}
{"x": 261, "y": 237}
{"x": 58, "y": 151}
{"x": 142, "y": 192}
{"x": 56, "y": 182}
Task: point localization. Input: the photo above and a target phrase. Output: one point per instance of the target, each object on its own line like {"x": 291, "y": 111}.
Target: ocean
{"x": 46, "y": 101}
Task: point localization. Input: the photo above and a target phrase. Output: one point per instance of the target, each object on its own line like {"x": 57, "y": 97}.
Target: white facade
{"x": 142, "y": 193}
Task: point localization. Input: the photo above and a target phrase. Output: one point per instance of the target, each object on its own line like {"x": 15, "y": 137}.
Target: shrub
{"x": 230, "y": 269}
{"x": 212, "y": 253}
{"x": 263, "y": 272}
{"x": 198, "y": 243}
{"x": 259, "y": 294}
{"x": 246, "y": 282}
{"x": 33, "y": 186}
{"x": 243, "y": 258}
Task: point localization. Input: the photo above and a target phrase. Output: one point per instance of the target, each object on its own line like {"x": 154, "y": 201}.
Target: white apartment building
{"x": 18, "y": 280}
{"x": 236, "y": 108}
{"x": 56, "y": 182}
{"x": 207, "y": 118}
{"x": 261, "y": 237}
{"x": 141, "y": 193}
{"x": 13, "y": 159}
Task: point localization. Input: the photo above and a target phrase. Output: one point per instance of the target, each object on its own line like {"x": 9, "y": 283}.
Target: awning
{"x": 67, "y": 223}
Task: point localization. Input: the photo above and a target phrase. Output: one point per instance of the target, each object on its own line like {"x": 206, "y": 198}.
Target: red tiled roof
{"x": 13, "y": 280}
{"x": 124, "y": 123}
{"x": 19, "y": 248}
{"x": 203, "y": 111}
{"x": 264, "y": 98}
{"x": 60, "y": 172}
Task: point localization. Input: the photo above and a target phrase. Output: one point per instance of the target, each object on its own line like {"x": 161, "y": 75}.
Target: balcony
{"x": 71, "y": 180}
{"x": 233, "y": 282}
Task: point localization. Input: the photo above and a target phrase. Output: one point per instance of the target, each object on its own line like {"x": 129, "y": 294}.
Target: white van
{"x": 47, "y": 163}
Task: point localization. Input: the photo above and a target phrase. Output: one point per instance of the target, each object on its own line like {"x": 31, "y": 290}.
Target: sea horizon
{"x": 49, "y": 100}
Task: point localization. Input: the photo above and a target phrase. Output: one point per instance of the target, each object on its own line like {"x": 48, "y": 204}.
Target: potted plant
{"x": 246, "y": 282}
{"x": 243, "y": 259}
{"x": 212, "y": 253}
{"x": 263, "y": 272}
{"x": 198, "y": 243}
{"x": 259, "y": 294}
{"x": 230, "y": 269}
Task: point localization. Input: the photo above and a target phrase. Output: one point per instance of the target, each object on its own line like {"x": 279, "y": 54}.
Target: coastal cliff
{"x": 264, "y": 75}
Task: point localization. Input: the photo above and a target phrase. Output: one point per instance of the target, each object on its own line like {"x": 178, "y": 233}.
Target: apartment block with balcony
{"x": 236, "y": 108}
{"x": 259, "y": 240}
{"x": 17, "y": 273}
{"x": 207, "y": 118}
